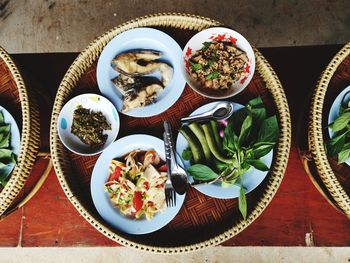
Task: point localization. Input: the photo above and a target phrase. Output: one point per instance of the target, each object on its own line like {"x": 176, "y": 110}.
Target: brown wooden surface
{"x": 297, "y": 209}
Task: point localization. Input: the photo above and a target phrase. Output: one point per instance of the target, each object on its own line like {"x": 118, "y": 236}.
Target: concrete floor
{"x": 65, "y": 25}
{"x": 217, "y": 255}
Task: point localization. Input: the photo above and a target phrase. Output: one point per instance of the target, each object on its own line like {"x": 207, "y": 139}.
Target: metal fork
{"x": 170, "y": 194}
{"x": 178, "y": 175}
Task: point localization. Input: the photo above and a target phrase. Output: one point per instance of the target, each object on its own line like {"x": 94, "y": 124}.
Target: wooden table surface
{"x": 297, "y": 212}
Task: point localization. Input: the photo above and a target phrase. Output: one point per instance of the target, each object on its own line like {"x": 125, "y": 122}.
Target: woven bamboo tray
{"x": 330, "y": 178}
{"x": 20, "y": 102}
{"x": 203, "y": 221}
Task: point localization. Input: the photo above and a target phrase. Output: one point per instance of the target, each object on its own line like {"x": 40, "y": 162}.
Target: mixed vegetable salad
{"x": 136, "y": 184}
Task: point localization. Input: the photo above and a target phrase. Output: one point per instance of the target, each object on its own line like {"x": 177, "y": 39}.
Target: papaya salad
{"x": 136, "y": 184}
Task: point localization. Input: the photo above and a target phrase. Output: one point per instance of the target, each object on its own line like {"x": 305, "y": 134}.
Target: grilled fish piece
{"x": 137, "y": 91}
{"x": 139, "y": 62}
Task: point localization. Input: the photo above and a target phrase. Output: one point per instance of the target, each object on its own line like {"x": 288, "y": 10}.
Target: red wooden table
{"x": 297, "y": 209}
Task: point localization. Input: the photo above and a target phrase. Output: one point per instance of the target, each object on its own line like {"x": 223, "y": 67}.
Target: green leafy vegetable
{"x": 339, "y": 144}
{"x": 195, "y": 66}
{"x": 212, "y": 75}
{"x": 206, "y": 45}
{"x": 341, "y": 122}
{"x": 269, "y": 131}
{"x": 258, "y": 164}
{"x": 344, "y": 154}
{"x": 202, "y": 172}
{"x": 242, "y": 202}
{"x": 187, "y": 154}
{"x": 7, "y": 157}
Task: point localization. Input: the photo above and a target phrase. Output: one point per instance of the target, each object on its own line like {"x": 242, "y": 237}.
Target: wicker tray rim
{"x": 181, "y": 21}
{"x": 315, "y": 134}
{"x": 30, "y": 137}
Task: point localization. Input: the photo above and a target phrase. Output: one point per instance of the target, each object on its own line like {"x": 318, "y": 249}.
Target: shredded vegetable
{"x": 136, "y": 184}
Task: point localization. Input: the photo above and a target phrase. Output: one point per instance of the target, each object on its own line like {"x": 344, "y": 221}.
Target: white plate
{"x": 141, "y": 38}
{"x": 15, "y": 140}
{"x": 101, "y": 199}
{"x": 334, "y": 112}
{"x": 250, "y": 180}
{"x": 96, "y": 103}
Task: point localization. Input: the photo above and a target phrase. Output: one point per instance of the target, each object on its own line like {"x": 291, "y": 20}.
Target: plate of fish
{"x": 128, "y": 182}
{"x": 139, "y": 71}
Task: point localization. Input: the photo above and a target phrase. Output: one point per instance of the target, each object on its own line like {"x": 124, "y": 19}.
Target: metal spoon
{"x": 221, "y": 111}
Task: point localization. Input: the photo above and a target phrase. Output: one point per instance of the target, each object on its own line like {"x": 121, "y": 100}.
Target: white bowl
{"x": 224, "y": 34}
{"x": 96, "y": 103}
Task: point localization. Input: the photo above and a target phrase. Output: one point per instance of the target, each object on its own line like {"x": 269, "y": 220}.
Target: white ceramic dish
{"x": 96, "y": 103}
{"x": 136, "y": 39}
{"x": 250, "y": 180}
{"x": 334, "y": 111}
{"x": 223, "y": 34}
{"x": 101, "y": 200}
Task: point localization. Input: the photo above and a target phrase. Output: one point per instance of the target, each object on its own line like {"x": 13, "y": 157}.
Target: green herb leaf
{"x": 335, "y": 145}
{"x": 269, "y": 131}
{"x": 230, "y": 141}
{"x": 220, "y": 166}
{"x": 259, "y": 115}
{"x": 242, "y": 203}
{"x": 245, "y": 130}
{"x": 5, "y": 154}
{"x": 187, "y": 154}
{"x": 202, "y": 172}
{"x": 344, "y": 155}
{"x": 206, "y": 45}
{"x": 210, "y": 62}
{"x": 5, "y": 140}
{"x": 258, "y": 164}
{"x": 1, "y": 118}
{"x": 238, "y": 117}
{"x": 212, "y": 75}
{"x": 341, "y": 122}
{"x": 195, "y": 66}
{"x": 256, "y": 103}
{"x": 5, "y": 128}
{"x": 262, "y": 148}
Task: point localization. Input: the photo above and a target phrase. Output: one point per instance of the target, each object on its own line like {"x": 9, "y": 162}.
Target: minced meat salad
{"x": 89, "y": 125}
{"x": 218, "y": 64}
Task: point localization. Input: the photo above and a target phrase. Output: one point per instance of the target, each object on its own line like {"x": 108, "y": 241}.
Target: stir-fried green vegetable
{"x": 7, "y": 157}
{"x": 249, "y": 135}
{"x": 339, "y": 145}
{"x": 89, "y": 125}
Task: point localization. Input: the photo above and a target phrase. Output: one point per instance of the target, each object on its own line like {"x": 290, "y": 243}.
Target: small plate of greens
{"x": 10, "y": 142}
{"x": 339, "y": 128}
{"x": 238, "y": 150}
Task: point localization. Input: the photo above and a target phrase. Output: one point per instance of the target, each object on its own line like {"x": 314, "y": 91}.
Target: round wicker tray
{"x": 20, "y": 102}
{"x": 331, "y": 179}
{"x": 203, "y": 221}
